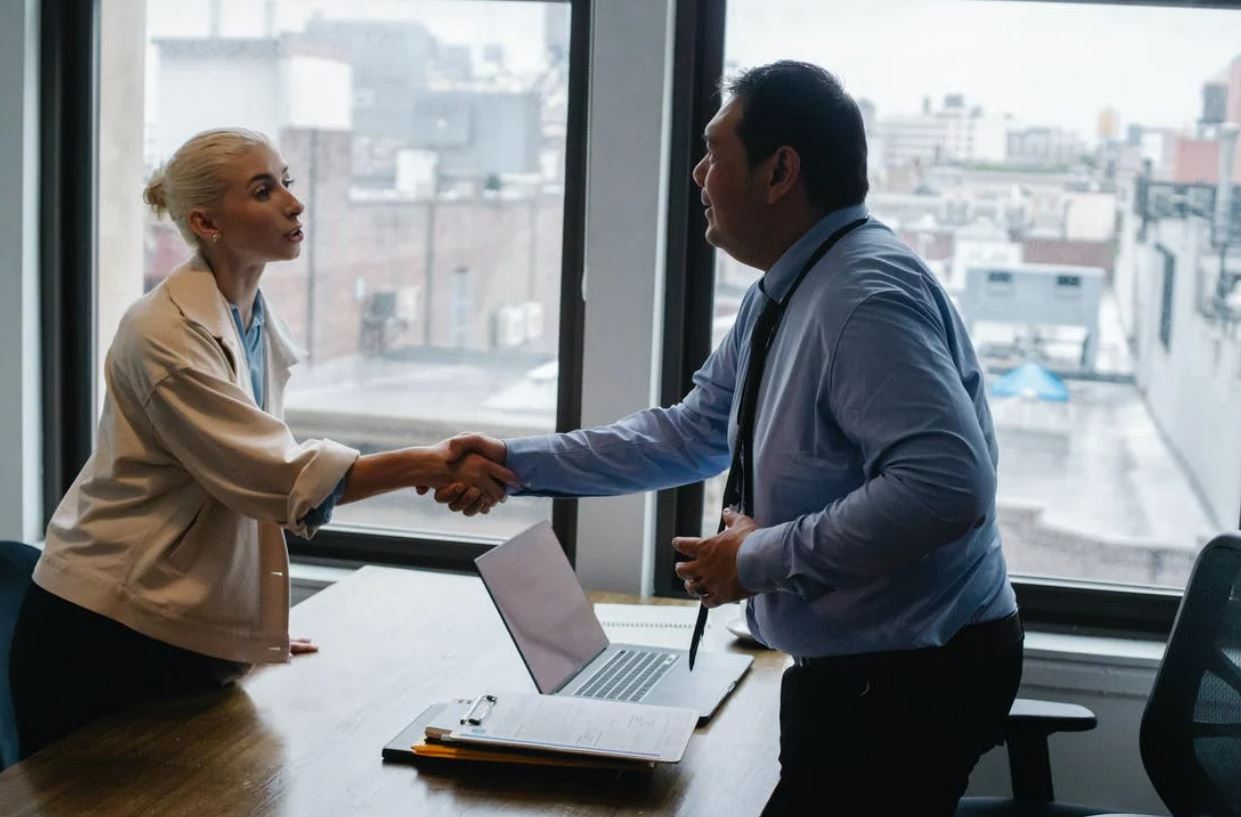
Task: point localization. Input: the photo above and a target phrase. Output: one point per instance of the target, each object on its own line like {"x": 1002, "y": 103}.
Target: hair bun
{"x": 195, "y": 177}
{"x": 155, "y": 195}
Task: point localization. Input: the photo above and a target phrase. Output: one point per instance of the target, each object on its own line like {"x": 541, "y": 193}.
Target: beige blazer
{"x": 174, "y": 525}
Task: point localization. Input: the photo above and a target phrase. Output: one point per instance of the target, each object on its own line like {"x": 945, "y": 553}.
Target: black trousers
{"x": 69, "y": 665}
{"x": 894, "y": 733}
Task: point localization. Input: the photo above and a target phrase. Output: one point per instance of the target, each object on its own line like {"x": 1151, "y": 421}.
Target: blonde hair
{"x": 192, "y": 178}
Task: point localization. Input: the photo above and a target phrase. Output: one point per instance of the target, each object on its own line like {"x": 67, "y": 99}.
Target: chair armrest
{"x": 1049, "y": 717}
{"x": 1025, "y": 733}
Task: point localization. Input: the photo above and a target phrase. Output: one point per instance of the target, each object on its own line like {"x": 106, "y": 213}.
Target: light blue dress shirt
{"x": 253, "y": 342}
{"x": 875, "y": 454}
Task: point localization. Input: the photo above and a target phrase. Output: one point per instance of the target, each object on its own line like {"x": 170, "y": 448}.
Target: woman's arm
{"x": 250, "y": 462}
{"x": 427, "y": 467}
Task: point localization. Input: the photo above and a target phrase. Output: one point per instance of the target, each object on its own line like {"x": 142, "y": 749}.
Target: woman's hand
{"x": 302, "y": 646}
{"x": 478, "y": 482}
{"x": 448, "y": 463}
{"x": 459, "y": 496}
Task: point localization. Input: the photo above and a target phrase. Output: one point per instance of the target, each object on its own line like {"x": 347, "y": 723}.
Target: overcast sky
{"x": 518, "y": 26}
{"x": 1044, "y": 63}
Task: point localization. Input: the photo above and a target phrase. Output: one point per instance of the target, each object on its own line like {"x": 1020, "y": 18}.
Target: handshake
{"x": 470, "y": 476}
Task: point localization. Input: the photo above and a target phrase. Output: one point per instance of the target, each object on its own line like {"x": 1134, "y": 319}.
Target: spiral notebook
{"x": 646, "y": 616}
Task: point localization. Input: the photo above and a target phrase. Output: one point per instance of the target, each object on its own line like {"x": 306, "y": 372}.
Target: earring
{"x": 215, "y": 238}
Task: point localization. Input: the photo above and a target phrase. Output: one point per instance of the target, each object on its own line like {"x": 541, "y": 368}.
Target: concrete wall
{"x": 188, "y": 95}
{"x": 624, "y": 266}
{"x": 329, "y": 106}
{"x": 20, "y": 442}
{"x": 122, "y": 176}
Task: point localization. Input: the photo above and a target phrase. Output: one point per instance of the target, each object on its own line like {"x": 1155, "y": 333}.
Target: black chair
{"x": 16, "y": 566}
{"x": 1191, "y": 730}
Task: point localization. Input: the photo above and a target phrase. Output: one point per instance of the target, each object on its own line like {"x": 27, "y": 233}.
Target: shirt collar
{"x": 783, "y": 273}
{"x": 192, "y": 287}
{"x": 258, "y": 314}
{"x": 193, "y": 290}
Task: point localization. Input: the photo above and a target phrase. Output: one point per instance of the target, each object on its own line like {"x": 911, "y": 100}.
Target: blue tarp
{"x": 1033, "y": 381}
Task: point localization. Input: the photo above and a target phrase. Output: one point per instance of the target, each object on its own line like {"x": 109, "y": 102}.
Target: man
{"x": 869, "y": 542}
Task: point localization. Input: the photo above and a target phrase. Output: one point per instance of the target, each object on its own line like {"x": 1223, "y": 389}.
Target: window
{"x": 435, "y": 144}
{"x": 1037, "y": 190}
{"x": 1165, "y": 301}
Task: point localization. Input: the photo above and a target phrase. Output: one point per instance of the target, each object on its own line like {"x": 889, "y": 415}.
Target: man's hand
{"x": 711, "y": 572}
{"x": 474, "y": 452}
{"x": 474, "y": 443}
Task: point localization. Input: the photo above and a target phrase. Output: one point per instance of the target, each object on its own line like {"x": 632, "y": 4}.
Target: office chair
{"x": 16, "y": 566}
{"x": 1190, "y": 737}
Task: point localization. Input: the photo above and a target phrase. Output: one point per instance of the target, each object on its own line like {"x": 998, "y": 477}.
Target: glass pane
{"x": 1068, "y": 204}
{"x": 427, "y": 141}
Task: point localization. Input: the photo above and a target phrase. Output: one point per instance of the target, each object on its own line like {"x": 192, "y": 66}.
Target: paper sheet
{"x": 584, "y": 726}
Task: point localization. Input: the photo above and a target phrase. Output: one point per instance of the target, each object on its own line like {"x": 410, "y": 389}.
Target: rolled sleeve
{"x": 244, "y": 457}
{"x": 321, "y": 514}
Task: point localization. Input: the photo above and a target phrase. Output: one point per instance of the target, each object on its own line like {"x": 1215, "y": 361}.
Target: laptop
{"x": 565, "y": 649}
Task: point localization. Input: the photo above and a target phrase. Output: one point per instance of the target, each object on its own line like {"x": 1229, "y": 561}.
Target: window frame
{"x": 68, "y": 242}
{"x": 68, "y": 232}
{"x": 1049, "y": 604}
{"x": 689, "y": 276}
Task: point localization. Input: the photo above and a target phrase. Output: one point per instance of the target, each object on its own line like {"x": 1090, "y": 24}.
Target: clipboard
{"x": 567, "y": 725}
{"x": 411, "y": 746}
{"x": 401, "y": 748}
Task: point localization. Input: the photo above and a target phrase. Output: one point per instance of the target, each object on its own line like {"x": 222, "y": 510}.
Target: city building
{"x": 1179, "y": 270}
{"x": 954, "y": 132}
{"x": 1044, "y": 145}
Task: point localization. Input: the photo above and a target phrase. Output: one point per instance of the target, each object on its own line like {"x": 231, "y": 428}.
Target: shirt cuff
{"x": 761, "y": 563}
{"x": 321, "y": 514}
{"x": 522, "y": 457}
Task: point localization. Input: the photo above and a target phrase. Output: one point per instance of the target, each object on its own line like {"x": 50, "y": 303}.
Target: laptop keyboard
{"x": 628, "y": 675}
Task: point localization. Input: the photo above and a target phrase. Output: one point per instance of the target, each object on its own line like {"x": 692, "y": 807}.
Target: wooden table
{"x": 304, "y": 738}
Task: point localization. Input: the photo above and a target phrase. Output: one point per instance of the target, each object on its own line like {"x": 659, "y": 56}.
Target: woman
{"x": 165, "y": 570}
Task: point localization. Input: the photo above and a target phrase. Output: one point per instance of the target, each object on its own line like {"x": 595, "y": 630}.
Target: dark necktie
{"x": 739, "y": 487}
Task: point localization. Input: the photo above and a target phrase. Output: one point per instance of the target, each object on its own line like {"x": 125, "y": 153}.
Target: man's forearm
{"x": 880, "y": 528}
{"x": 650, "y": 450}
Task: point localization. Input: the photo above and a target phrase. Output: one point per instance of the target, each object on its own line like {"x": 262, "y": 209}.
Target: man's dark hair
{"x": 802, "y": 106}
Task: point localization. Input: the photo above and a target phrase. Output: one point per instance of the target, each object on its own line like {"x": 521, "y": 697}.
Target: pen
{"x": 700, "y": 624}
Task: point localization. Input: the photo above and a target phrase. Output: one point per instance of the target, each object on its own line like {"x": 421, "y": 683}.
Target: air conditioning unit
{"x": 1214, "y": 103}
{"x": 533, "y": 317}
{"x": 508, "y": 326}
{"x": 407, "y": 299}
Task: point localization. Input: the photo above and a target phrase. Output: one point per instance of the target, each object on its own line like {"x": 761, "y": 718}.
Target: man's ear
{"x": 785, "y": 173}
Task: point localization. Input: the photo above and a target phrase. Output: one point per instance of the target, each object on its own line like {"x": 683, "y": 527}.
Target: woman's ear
{"x": 202, "y": 225}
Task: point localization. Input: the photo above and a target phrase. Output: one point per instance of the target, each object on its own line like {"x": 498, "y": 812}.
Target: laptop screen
{"x": 543, "y": 606}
